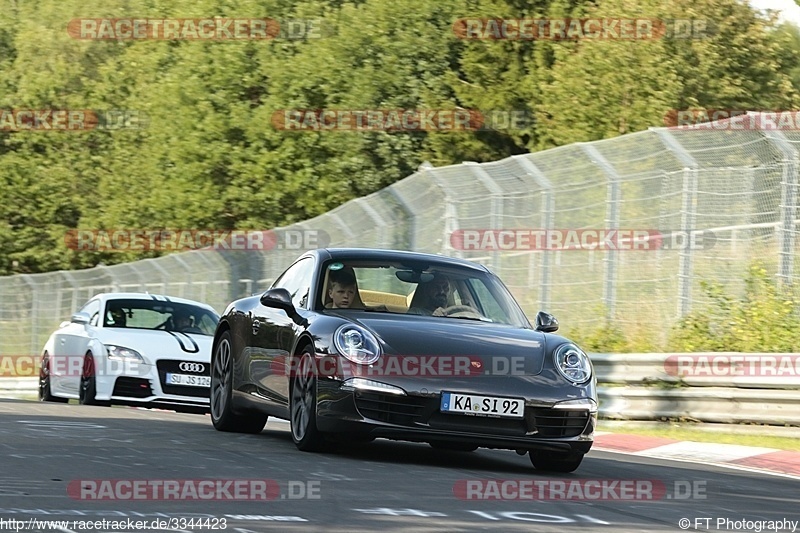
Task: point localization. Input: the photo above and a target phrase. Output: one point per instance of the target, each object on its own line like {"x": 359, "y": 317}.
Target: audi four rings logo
{"x": 192, "y": 367}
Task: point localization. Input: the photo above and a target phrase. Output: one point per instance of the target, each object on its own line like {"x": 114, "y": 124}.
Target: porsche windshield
{"x": 157, "y": 314}
{"x": 424, "y": 290}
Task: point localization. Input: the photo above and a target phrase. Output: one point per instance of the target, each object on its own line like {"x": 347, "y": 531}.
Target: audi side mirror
{"x": 80, "y": 318}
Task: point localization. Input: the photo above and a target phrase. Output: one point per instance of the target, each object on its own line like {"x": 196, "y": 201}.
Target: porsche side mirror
{"x": 545, "y": 322}
{"x": 281, "y": 299}
{"x": 80, "y": 318}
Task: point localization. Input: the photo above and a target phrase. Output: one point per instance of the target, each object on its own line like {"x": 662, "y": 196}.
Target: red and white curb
{"x": 731, "y": 455}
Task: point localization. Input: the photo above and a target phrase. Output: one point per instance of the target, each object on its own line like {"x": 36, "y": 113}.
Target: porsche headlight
{"x": 573, "y": 363}
{"x": 121, "y": 353}
{"x": 357, "y": 344}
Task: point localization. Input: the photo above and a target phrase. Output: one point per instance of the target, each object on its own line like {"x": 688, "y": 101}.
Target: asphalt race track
{"x": 51, "y": 451}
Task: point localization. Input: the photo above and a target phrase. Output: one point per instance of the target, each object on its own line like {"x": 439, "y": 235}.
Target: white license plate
{"x": 471, "y": 404}
{"x": 185, "y": 379}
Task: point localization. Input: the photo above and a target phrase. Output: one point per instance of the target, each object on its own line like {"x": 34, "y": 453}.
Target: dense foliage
{"x": 765, "y": 319}
{"x": 209, "y": 156}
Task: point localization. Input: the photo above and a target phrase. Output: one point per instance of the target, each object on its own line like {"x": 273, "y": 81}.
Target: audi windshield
{"x": 160, "y": 315}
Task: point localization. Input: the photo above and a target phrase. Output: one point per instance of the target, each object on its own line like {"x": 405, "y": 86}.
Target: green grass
{"x": 742, "y": 435}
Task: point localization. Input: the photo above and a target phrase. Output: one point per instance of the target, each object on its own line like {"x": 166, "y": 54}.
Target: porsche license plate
{"x": 471, "y": 404}
{"x": 185, "y": 379}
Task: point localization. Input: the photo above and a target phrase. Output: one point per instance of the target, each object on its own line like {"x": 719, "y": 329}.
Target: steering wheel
{"x": 465, "y": 311}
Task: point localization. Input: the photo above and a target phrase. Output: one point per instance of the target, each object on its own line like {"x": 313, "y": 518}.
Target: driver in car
{"x": 431, "y": 297}
{"x": 181, "y": 320}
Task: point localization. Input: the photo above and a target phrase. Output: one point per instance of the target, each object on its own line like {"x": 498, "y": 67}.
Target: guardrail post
{"x": 688, "y": 216}
{"x": 547, "y": 222}
{"x": 614, "y": 196}
{"x": 788, "y": 207}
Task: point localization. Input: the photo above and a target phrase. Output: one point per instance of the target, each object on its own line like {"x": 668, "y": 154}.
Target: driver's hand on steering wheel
{"x": 439, "y": 311}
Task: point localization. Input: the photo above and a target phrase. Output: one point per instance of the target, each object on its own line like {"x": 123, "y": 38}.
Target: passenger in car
{"x": 343, "y": 290}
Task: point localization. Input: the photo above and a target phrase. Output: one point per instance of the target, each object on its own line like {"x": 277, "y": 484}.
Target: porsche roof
{"x": 373, "y": 254}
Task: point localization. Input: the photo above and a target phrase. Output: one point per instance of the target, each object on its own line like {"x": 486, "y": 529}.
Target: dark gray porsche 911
{"x": 362, "y": 344}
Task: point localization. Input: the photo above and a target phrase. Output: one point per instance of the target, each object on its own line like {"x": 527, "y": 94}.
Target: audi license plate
{"x": 492, "y": 406}
{"x": 185, "y": 379}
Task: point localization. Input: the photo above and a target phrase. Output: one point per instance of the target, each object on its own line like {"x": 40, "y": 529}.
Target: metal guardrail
{"x": 15, "y": 387}
{"x": 651, "y": 386}
{"x": 701, "y": 369}
{"x": 727, "y": 387}
{"x": 707, "y": 404}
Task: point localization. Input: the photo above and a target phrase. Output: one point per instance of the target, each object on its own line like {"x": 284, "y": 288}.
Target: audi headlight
{"x": 573, "y": 363}
{"x": 357, "y": 344}
{"x": 121, "y": 353}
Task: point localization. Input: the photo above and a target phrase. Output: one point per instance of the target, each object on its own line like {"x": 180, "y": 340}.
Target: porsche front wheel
{"x": 303, "y": 406}
{"x": 222, "y": 415}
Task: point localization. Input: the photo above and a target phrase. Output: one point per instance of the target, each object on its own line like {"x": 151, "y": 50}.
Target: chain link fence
{"x": 741, "y": 185}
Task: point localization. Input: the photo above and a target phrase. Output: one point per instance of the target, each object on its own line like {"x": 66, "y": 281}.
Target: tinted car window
{"x": 157, "y": 314}
{"x": 297, "y": 280}
{"x": 92, "y": 308}
{"x": 407, "y": 288}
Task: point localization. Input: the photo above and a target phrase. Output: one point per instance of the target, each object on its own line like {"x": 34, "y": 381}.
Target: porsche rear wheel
{"x": 221, "y": 402}
{"x": 87, "y": 391}
{"x": 303, "y": 406}
{"x": 45, "y": 394}
{"x": 556, "y": 461}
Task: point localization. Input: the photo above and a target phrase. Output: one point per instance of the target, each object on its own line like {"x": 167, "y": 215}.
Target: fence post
{"x": 376, "y": 217}
{"x": 111, "y": 276}
{"x": 688, "y": 216}
{"x": 344, "y": 227}
{"x": 547, "y": 221}
{"x": 496, "y": 203}
{"x": 34, "y": 349}
{"x": 613, "y": 199}
{"x": 411, "y": 217}
{"x": 788, "y": 207}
